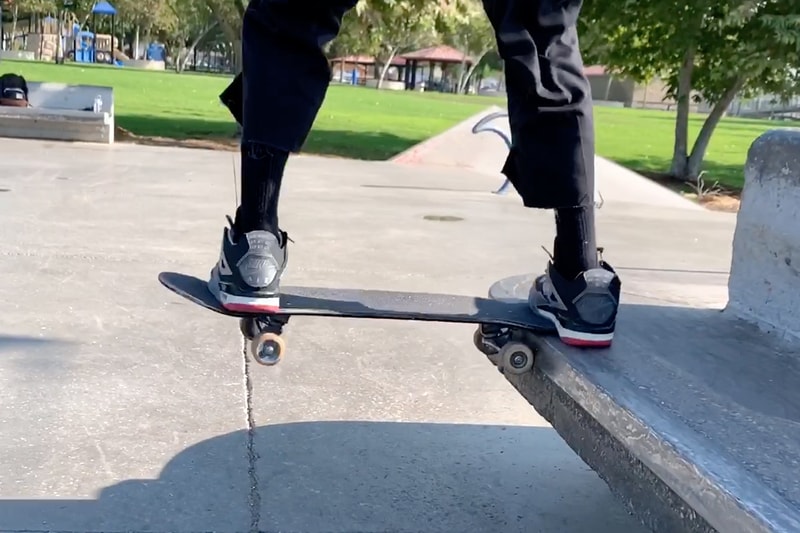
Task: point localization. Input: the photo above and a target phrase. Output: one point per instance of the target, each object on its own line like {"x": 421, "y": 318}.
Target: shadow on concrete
{"x": 36, "y": 356}
{"x": 349, "y": 476}
{"x": 13, "y": 342}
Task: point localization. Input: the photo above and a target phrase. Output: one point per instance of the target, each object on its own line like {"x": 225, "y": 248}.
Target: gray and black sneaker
{"x": 247, "y": 276}
{"x": 583, "y": 310}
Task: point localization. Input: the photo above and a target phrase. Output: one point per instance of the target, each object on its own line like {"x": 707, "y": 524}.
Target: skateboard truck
{"x": 505, "y": 347}
{"x": 264, "y": 335}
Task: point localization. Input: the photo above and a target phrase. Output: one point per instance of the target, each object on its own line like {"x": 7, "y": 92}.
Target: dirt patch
{"x": 228, "y": 144}
{"x": 721, "y": 199}
{"x": 721, "y": 202}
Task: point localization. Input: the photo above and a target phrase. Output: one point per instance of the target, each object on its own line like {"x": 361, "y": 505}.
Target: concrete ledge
{"x": 61, "y": 112}
{"x": 59, "y": 125}
{"x": 692, "y": 417}
{"x": 46, "y": 95}
{"x": 765, "y": 267}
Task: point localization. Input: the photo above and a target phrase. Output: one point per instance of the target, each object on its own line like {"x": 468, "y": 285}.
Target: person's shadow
{"x": 350, "y": 476}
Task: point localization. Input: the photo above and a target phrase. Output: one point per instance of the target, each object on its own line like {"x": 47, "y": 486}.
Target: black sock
{"x": 575, "y": 247}
{"x": 262, "y": 173}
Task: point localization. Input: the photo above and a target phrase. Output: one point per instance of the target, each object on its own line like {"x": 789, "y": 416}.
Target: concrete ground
{"x": 125, "y": 408}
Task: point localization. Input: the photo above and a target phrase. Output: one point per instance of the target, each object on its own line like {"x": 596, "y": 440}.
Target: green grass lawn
{"x": 642, "y": 140}
{"x": 369, "y": 124}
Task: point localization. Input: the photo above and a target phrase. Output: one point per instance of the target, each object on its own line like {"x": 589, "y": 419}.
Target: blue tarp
{"x": 104, "y": 8}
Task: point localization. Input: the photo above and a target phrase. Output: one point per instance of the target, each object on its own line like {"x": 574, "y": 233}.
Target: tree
{"x": 468, "y": 29}
{"x": 26, "y": 7}
{"x": 390, "y": 27}
{"x": 229, "y": 15}
{"x": 708, "y": 50}
{"x": 190, "y": 22}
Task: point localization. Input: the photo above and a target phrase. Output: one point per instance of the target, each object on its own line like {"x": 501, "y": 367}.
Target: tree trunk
{"x": 704, "y": 137}
{"x": 190, "y": 51}
{"x": 681, "y": 146}
{"x": 386, "y": 65}
{"x": 463, "y": 83}
{"x": 462, "y": 74}
{"x": 14, "y": 18}
{"x": 238, "y": 60}
{"x": 135, "y": 51}
{"x": 59, "y": 41}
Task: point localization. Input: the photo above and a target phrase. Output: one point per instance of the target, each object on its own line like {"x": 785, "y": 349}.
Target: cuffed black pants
{"x": 551, "y": 164}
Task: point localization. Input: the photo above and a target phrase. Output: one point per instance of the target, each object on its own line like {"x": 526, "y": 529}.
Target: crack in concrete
{"x": 254, "y": 497}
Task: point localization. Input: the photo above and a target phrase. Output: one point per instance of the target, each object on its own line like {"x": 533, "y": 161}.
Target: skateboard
{"x": 504, "y": 324}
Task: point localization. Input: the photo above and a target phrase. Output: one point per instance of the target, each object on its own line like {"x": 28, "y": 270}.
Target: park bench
{"x": 692, "y": 417}
{"x": 61, "y": 112}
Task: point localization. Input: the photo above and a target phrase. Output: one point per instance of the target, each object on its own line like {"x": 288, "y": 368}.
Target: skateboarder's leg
{"x": 283, "y": 83}
{"x": 551, "y": 163}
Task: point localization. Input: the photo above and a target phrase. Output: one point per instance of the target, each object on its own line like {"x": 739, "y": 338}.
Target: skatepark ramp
{"x": 61, "y": 112}
{"x": 480, "y": 144}
{"x": 693, "y": 415}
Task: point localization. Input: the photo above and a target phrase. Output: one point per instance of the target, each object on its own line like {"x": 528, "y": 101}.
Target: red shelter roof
{"x": 438, "y": 54}
{"x": 366, "y": 60}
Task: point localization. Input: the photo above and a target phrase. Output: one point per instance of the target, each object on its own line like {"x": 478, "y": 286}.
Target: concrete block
{"x": 764, "y": 284}
{"x": 56, "y": 124}
{"x": 61, "y": 112}
{"x": 46, "y": 95}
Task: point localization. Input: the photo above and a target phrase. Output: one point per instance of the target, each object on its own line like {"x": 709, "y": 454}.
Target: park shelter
{"x": 103, "y": 8}
{"x": 436, "y": 56}
{"x": 362, "y": 65}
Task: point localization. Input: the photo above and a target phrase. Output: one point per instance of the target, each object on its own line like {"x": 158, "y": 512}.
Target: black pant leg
{"x": 285, "y": 71}
{"x": 551, "y": 163}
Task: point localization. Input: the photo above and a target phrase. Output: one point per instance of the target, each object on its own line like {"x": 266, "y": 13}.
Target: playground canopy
{"x": 104, "y": 8}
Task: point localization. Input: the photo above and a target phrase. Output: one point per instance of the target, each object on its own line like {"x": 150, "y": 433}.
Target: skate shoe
{"x": 247, "y": 276}
{"x": 583, "y": 310}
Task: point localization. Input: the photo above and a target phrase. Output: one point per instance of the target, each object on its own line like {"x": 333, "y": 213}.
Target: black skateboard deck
{"x": 493, "y": 315}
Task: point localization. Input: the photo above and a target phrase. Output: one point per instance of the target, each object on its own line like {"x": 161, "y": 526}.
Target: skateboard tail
{"x": 251, "y": 308}
{"x": 250, "y": 305}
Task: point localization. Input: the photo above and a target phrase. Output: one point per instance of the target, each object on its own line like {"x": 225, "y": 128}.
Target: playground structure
{"x": 78, "y": 43}
{"x": 84, "y": 46}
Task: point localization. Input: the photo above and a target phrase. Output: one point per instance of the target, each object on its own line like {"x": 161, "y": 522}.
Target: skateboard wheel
{"x": 267, "y": 348}
{"x": 516, "y": 358}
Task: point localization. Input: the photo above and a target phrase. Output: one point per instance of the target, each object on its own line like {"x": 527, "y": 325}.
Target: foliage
{"x": 468, "y": 30}
{"x": 705, "y": 50}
